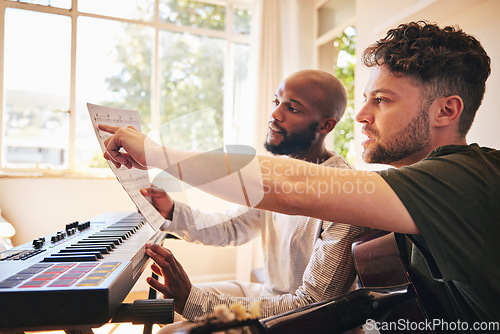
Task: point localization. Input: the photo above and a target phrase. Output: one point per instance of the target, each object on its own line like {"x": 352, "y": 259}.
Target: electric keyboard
{"x": 76, "y": 276}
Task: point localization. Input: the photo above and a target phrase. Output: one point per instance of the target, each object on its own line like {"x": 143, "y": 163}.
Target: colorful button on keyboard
{"x": 60, "y": 275}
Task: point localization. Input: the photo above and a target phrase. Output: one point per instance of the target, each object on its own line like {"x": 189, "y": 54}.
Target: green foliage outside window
{"x": 131, "y": 87}
{"x": 193, "y": 14}
{"x": 191, "y": 73}
{"x": 191, "y": 68}
{"x": 344, "y": 131}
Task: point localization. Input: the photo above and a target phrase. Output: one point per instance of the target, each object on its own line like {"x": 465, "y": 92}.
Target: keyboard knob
{"x": 37, "y": 243}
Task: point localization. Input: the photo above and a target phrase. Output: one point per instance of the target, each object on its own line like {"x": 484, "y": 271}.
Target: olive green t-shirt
{"x": 453, "y": 196}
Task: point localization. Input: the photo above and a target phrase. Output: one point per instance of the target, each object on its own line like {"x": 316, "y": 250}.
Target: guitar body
{"x": 379, "y": 263}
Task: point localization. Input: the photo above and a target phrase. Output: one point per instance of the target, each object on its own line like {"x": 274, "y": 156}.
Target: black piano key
{"x": 99, "y": 240}
{"x": 114, "y": 239}
{"x": 104, "y": 235}
{"x": 70, "y": 258}
{"x": 109, "y": 245}
{"x": 125, "y": 234}
{"x": 97, "y": 254}
{"x": 83, "y": 250}
{"x": 101, "y": 249}
{"x": 118, "y": 228}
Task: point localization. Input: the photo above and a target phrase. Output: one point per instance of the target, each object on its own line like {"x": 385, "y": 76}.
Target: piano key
{"x": 98, "y": 240}
{"x": 109, "y": 245}
{"x": 110, "y": 236}
{"x": 70, "y": 258}
{"x": 99, "y": 251}
{"x": 97, "y": 254}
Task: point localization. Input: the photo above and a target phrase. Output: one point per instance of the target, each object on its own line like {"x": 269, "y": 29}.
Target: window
{"x": 173, "y": 60}
{"x": 344, "y": 71}
{"x": 335, "y": 53}
{"x": 36, "y": 107}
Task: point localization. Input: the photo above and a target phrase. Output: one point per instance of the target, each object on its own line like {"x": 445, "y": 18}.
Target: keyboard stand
{"x": 148, "y": 328}
{"x": 148, "y": 312}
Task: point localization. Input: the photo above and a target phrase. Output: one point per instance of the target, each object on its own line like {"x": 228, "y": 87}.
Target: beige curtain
{"x": 268, "y": 58}
{"x": 267, "y": 74}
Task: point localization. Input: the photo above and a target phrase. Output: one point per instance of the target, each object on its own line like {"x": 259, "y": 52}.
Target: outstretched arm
{"x": 230, "y": 228}
{"x": 283, "y": 185}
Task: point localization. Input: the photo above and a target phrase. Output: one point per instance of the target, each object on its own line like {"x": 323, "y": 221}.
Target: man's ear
{"x": 450, "y": 109}
{"x": 327, "y": 125}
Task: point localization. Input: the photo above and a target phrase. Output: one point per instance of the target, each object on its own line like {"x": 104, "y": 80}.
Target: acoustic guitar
{"x": 386, "y": 295}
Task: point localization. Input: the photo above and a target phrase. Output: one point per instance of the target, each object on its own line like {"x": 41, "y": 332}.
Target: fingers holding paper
{"x": 128, "y": 147}
{"x": 160, "y": 200}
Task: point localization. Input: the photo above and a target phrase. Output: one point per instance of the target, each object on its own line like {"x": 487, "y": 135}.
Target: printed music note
{"x": 132, "y": 180}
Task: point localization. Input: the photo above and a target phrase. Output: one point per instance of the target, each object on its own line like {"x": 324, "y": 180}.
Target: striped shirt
{"x": 306, "y": 260}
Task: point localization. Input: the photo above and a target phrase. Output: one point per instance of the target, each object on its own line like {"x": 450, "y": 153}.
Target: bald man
{"x": 306, "y": 260}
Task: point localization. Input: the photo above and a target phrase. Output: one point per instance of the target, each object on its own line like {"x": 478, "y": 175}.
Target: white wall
{"x": 42, "y": 206}
{"x": 297, "y": 41}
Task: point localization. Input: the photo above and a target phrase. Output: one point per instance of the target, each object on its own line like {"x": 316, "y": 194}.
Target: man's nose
{"x": 364, "y": 115}
{"x": 277, "y": 113}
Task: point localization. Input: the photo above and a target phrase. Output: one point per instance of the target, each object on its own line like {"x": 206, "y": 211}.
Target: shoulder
{"x": 454, "y": 186}
{"x": 451, "y": 162}
{"x": 471, "y": 153}
{"x": 337, "y": 161}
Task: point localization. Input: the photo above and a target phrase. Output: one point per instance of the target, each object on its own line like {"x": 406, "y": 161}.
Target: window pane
{"x": 241, "y": 21}
{"x": 37, "y": 77}
{"x": 112, "y": 70}
{"x": 66, "y": 4}
{"x": 196, "y": 14}
{"x": 130, "y": 9}
{"x": 191, "y": 80}
{"x": 241, "y": 96}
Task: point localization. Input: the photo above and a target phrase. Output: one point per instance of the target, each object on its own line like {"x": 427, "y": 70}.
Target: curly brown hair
{"x": 445, "y": 61}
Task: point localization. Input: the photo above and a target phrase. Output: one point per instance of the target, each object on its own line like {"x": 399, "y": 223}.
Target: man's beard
{"x": 294, "y": 143}
{"x": 413, "y": 138}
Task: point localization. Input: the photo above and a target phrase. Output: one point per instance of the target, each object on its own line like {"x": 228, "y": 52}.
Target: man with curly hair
{"x": 425, "y": 87}
{"x": 424, "y": 90}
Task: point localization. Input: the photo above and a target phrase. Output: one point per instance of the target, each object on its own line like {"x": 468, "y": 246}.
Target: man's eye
{"x": 276, "y": 103}
{"x": 379, "y": 100}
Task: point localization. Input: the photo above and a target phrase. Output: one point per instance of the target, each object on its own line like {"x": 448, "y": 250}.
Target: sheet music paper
{"x": 132, "y": 180}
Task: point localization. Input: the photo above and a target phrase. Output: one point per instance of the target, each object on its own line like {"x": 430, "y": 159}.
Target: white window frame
{"x": 73, "y": 13}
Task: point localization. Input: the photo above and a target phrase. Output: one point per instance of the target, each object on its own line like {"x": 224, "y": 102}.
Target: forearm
{"x": 284, "y": 185}
{"x": 229, "y": 228}
{"x": 234, "y": 177}
{"x": 292, "y": 186}
{"x": 201, "y": 303}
